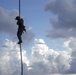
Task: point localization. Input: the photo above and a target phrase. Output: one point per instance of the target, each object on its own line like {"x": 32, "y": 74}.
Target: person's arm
{"x": 24, "y": 28}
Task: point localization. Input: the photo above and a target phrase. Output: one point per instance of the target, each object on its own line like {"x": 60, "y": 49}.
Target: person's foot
{"x": 19, "y": 42}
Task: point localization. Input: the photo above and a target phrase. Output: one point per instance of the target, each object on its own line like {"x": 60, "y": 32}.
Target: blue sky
{"x": 33, "y": 13}
{"x": 35, "y": 16}
{"x": 49, "y": 46}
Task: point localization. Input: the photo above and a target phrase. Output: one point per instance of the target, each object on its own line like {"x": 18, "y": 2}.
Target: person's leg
{"x": 19, "y": 33}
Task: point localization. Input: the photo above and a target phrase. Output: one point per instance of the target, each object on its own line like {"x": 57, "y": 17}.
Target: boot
{"x": 19, "y": 42}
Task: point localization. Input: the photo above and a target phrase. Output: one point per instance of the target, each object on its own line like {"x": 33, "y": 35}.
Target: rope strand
{"x": 21, "y": 60}
{"x": 20, "y": 44}
{"x": 19, "y": 8}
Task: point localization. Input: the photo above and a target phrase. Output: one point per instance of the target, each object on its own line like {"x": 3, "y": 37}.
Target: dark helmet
{"x": 17, "y": 18}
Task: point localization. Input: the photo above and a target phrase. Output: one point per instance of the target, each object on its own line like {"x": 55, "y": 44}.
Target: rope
{"x": 21, "y": 60}
{"x": 19, "y": 8}
{"x": 20, "y": 44}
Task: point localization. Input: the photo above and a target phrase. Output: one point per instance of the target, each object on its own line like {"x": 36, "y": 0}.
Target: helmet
{"x": 17, "y": 18}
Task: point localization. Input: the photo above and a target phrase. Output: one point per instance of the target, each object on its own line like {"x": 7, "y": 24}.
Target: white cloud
{"x": 10, "y": 59}
{"x": 42, "y": 61}
{"x": 72, "y": 45}
{"x": 51, "y": 60}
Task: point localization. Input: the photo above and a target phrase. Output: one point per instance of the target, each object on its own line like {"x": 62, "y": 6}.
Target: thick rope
{"x": 20, "y": 44}
{"x": 21, "y": 60}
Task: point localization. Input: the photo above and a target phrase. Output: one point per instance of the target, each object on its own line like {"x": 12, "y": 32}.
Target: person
{"x": 21, "y": 28}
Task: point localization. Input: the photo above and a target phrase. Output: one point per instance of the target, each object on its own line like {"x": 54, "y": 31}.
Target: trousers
{"x": 19, "y": 33}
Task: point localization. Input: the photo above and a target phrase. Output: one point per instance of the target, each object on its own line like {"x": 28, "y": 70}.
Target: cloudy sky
{"x": 49, "y": 46}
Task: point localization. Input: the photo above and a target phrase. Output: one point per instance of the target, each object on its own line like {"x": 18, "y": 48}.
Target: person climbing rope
{"x": 21, "y": 28}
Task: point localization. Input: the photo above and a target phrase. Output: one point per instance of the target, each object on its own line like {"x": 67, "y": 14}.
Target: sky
{"x": 49, "y": 46}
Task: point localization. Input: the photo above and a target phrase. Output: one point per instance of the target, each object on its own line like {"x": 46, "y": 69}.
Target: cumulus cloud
{"x": 8, "y": 24}
{"x": 42, "y": 61}
{"x": 64, "y": 20}
{"x": 49, "y": 61}
{"x": 72, "y": 46}
{"x": 10, "y": 59}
